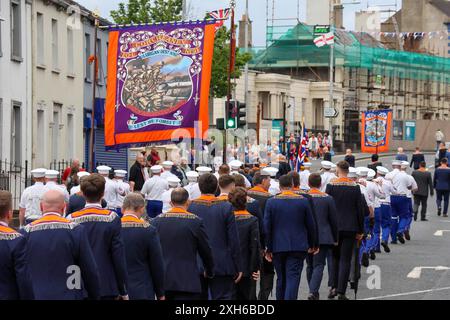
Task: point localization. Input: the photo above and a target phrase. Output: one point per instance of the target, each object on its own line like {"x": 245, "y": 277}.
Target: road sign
{"x": 321, "y": 29}
{"x": 331, "y": 113}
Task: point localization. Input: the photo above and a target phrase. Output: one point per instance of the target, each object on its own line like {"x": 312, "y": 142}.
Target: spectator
{"x": 439, "y": 138}
{"x": 442, "y": 186}
{"x": 71, "y": 171}
{"x": 327, "y": 154}
{"x": 401, "y": 156}
{"x": 137, "y": 173}
{"x": 425, "y": 185}
{"x": 153, "y": 157}
{"x": 416, "y": 159}
{"x": 350, "y": 158}
{"x": 375, "y": 163}
{"x": 313, "y": 146}
{"x": 441, "y": 154}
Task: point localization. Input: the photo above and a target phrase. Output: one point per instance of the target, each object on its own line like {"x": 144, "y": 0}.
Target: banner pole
{"x": 94, "y": 82}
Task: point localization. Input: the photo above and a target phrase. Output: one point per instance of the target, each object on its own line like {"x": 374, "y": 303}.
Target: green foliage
{"x": 147, "y": 11}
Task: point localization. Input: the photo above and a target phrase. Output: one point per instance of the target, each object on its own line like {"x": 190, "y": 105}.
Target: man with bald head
{"x": 137, "y": 175}
{"x": 74, "y": 274}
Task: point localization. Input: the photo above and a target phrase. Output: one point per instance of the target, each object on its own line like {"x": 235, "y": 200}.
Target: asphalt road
{"x": 424, "y": 250}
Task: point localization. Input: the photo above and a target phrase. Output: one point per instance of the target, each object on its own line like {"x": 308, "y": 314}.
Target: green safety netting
{"x": 294, "y": 48}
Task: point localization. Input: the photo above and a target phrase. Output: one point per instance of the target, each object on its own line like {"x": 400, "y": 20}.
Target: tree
{"x": 147, "y": 11}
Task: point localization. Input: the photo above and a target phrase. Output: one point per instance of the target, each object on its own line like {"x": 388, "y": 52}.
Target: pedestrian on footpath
{"x": 401, "y": 155}
{"x": 417, "y": 159}
{"x": 439, "y": 138}
{"x": 442, "y": 186}
{"x": 350, "y": 158}
{"x": 424, "y": 182}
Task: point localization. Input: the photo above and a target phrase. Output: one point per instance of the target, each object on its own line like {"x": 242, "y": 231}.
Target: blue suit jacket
{"x": 220, "y": 225}
{"x": 442, "y": 179}
{"x": 326, "y": 217}
{"x": 15, "y": 282}
{"x": 58, "y": 252}
{"x": 145, "y": 263}
{"x": 183, "y": 238}
{"x": 289, "y": 224}
{"x": 104, "y": 230}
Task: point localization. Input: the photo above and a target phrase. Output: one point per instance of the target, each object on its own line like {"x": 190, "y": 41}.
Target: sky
{"x": 284, "y": 9}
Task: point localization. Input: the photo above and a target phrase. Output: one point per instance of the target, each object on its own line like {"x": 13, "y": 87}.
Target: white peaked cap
{"x": 307, "y": 164}
{"x": 203, "y": 170}
{"x": 396, "y": 163}
{"x": 39, "y": 173}
{"x": 192, "y": 175}
{"x": 352, "y": 172}
{"x": 167, "y": 164}
{"x": 51, "y": 174}
{"x": 371, "y": 174}
{"x": 405, "y": 164}
{"x": 235, "y": 164}
{"x": 173, "y": 181}
{"x": 326, "y": 164}
{"x": 362, "y": 171}
{"x": 382, "y": 170}
{"x": 103, "y": 169}
{"x": 271, "y": 171}
{"x": 156, "y": 169}
{"x": 82, "y": 174}
{"x": 120, "y": 173}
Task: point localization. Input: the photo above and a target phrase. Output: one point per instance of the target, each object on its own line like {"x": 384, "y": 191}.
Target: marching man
{"x": 153, "y": 190}
{"x": 30, "y": 201}
{"x": 174, "y": 183}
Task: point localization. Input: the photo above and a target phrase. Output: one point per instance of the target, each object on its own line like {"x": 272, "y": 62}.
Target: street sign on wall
{"x": 321, "y": 29}
{"x": 330, "y": 113}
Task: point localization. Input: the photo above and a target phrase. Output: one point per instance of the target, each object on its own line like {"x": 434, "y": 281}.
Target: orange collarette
{"x": 288, "y": 193}
{"x": 344, "y": 179}
{"x": 295, "y": 189}
{"x": 177, "y": 210}
{"x": 131, "y": 218}
{"x": 4, "y": 229}
{"x": 50, "y": 218}
{"x": 207, "y": 198}
{"x": 223, "y": 197}
{"x": 258, "y": 189}
{"x": 315, "y": 191}
{"x": 241, "y": 213}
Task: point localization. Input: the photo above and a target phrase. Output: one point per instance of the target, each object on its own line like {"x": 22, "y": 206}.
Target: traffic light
{"x": 231, "y": 114}
{"x": 242, "y": 115}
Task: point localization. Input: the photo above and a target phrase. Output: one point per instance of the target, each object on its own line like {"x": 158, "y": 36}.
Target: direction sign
{"x": 321, "y": 29}
{"x": 331, "y": 113}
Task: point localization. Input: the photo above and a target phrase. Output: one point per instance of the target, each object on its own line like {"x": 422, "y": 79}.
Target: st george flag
{"x": 325, "y": 39}
{"x": 303, "y": 153}
{"x": 221, "y": 15}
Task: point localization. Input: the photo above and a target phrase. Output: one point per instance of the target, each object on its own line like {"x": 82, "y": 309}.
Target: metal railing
{"x": 14, "y": 178}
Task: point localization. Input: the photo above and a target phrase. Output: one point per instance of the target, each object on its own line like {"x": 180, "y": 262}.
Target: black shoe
{"x": 439, "y": 212}
{"x": 400, "y": 238}
{"x": 313, "y": 296}
{"x": 365, "y": 259}
{"x": 372, "y": 255}
{"x": 393, "y": 242}
{"x": 385, "y": 247}
{"x": 415, "y": 217}
{"x": 407, "y": 235}
{"x": 424, "y": 219}
{"x": 342, "y": 297}
{"x": 332, "y": 294}
{"x": 445, "y": 215}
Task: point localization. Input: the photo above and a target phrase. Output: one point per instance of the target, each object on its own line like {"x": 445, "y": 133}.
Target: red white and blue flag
{"x": 221, "y": 15}
{"x": 303, "y": 152}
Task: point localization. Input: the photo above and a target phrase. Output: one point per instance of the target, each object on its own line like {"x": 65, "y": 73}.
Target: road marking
{"x": 407, "y": 293}
{"x": 440, "y": 233}
{"x": 417, "y": 271}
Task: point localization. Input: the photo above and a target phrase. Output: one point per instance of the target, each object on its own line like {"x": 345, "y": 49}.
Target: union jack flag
{"x": 222, "y": 14}
{"x": 303, "y": 152}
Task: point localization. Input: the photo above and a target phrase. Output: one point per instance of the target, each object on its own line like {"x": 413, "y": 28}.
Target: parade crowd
{"x": 183, "y": 234}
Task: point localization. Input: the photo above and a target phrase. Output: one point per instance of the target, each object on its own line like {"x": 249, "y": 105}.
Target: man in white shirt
{"x": 167, "y": 166}
{"x": 274, "y": 188}
{"x": 51, "y": 183}
{"x": 112, "y": 188}
{"x": 235, "y": 165}
{"x": 30, "y": 201}
{"x": 304, "y": 176}
{"x": 123, "y": 188}
{"x": 192, "y": 188}
{"x": 77, "y": 188}
{"x": 385, "y": 209}
{"x": 327, "y": 175}
{"x": 174, "y": 183}
{"x": 406, "y": 221}
{"x": 153, "y": 189}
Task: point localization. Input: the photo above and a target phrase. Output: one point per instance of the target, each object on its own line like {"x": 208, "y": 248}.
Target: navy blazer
{"x": 144, "y": 258}
{"x": 58, "y": 249}
{"x": 183, "y": 237}
{"x": 77, "y": 202}
{"x": 442, "y": 179}
{"x": 326, "y": 217}
{"x": 220, "y": 225}
{"x": 104, "y": 230}
{"x": 15, "y": 281}
{"x": 248, "y": 229}
{"x": 289, "y": 224}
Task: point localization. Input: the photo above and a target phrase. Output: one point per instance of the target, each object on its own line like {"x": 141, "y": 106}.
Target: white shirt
{"x": 375, "y": 193}
{"x": 247, "y": 183}
{"x": 366, "y": 195}
{"x": 274, "y": 188}
{"x": 409, "y": 194}
{"x": 392, "y": 174}
{"x": 166, "y": 198}
{"x": 304, "y": 177}
{"x": 167, "y": 174}
{"x": 31, "y": 200}
{"x": 75, "y": 190}
{"x": 401, "y": 183}
{"x": 125, "y": 188}
{"x": 326, "y": 179}
{"x": 112, "y": 190}
{"x": 51, "y": 185}
{"x": 154, "y": 188}
{"x": 388, "y": 189}
{"x": 194, "y": 190}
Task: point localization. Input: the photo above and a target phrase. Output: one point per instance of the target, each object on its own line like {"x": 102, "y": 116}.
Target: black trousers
{"x": 218, "y": 288}
{"x": 180, "y": 296}
{"x": 266, "y": 280}
{"x": 245, "y": 289}
{"x": 342, "y": 258}
{"x": 420, "y": 201}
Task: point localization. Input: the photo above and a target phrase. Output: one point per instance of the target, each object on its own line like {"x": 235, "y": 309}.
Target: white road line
{"x": 440, "y": 233}
{"x": 417, "y": 271}
{"x": 407, "y": 293}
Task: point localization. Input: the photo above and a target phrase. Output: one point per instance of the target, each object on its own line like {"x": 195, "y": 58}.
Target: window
{"x": 87, "y": 54}
{"x": 16, "y": 143}
{"x": 413, "y": 115}
{"x": 40, "y": 39}
{"x": 70, "y": 136}
{"x": 99, "y": 55}
{"x": 70, "y": 67}
{"x": 55, "y": 44}
{"x": 16, "y": 36}
{"x": 40, "y": 138}
{"x": 55, "y": 130}
{"x": 399, "y": 114}
{"x": 415, "y": 87}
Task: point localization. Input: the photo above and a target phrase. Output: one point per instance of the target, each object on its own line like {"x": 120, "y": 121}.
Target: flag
{"x": 324, "y": 39}
{"x": 222, "y": 14}
{"x": 303, "y": 152}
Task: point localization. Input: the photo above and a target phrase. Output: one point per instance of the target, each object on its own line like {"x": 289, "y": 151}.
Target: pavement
{"x": 399, "y": 275}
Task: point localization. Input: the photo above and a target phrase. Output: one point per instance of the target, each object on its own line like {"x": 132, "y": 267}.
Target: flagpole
{"x": 331, "y": 101}
{"x": 94, "y": 86}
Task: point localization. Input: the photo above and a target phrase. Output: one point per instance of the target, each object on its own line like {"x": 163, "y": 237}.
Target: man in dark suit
{"x": 183, "y": 238}
{"x": 104, "y": 230}
{"x": 15, "y": 281}
{"x": 59, "y": 256}
{"x": 290, "y": 234}
{"x": 143, "y": 252}
{"x": 220, "y": 225}
{"x": 350, "y": 221}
